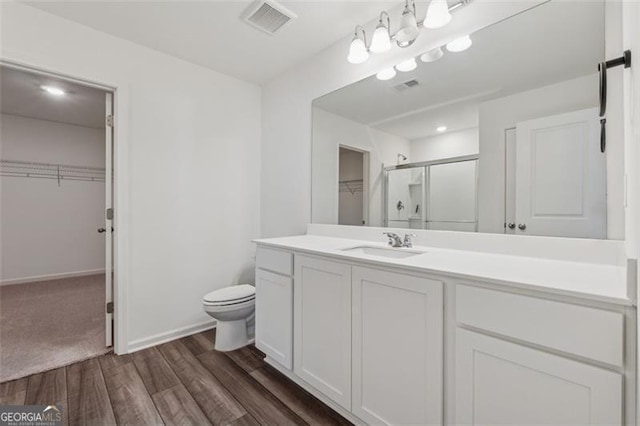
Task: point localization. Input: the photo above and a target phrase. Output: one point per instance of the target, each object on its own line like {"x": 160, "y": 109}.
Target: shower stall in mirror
{"x": 437, "y": 195}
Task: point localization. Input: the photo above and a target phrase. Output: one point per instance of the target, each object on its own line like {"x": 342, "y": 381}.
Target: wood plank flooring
{"x": 183, "y": 382}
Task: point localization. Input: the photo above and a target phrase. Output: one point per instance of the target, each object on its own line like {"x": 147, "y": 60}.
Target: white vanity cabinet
{"x": 274, "y": 305}
{"x": 322, "y": 326}
{"x": 522, "y": 359}
{"x": 397, "y": 348}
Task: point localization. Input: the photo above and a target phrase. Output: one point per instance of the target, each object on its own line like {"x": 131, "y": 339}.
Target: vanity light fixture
{"x": 381, "y": 40}
{"x": 358, "y": 52}
{"x": 408, "y": 65}
{"x": 386, "y": 74}
{"x": 432, "y": 55}
{"x": 460, "y": 44}
{"x": 55, "y": 91}
{"x": 409, "y": 30}
{"x": 441, "y": 129}
{"x": 437, "y": 14}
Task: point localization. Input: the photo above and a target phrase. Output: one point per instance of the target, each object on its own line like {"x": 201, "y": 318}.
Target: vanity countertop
{"x": 599, "y": 282}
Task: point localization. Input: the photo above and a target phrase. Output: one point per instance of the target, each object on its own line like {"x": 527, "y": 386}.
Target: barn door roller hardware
{"x": 625, "y": 60}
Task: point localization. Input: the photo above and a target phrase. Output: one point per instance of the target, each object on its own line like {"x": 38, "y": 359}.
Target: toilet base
{"x": 232, "y": 335}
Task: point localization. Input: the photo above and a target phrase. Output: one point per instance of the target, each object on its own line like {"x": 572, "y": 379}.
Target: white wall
{"x": 503, "y": 113}
{"x": 287, "y": 111}
{"x": 329, "y": 132}
{"x": 446, "y": 145}
{"x": 50, "y": 230}
{"x": 187, "y": 186}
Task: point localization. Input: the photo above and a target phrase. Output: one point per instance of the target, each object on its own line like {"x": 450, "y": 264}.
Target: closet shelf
{"x": 59, "y": 172}
{"x": 351, "y": 186}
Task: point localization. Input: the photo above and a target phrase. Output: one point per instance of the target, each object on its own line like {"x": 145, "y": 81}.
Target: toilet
{"x": 233, "y": 308}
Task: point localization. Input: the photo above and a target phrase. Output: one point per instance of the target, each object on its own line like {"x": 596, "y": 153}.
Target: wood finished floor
{"x": 183, "y": 382}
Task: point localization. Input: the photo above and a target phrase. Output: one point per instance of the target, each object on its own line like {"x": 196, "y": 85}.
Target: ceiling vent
{"x": 406, "y": 85}
{"x": 268, "y": 16}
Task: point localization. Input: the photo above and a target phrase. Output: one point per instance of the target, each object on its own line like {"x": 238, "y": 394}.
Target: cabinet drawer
{"x": 580, "y": 330}
{"x": 275, "y": 260}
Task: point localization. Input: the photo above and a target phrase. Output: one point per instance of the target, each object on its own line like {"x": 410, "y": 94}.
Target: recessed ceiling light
{"x": 56, "y": 91}
{"x": 442, "y": 129}
{"x": 386, "y": 74}
{"x": 460, "y": 44}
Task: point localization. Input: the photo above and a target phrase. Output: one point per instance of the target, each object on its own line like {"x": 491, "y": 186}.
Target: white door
{"x": 502, "y": 383}
{"x": 510, "y": 181}
{"x": 397, "y": 348}
{"x": 108, "y": 220}
{"x": 274, "y": 316}
{"x": 561, "y": 177}
{"x": 322, "y": 326}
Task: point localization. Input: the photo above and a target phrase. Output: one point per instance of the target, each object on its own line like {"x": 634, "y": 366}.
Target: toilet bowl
{"x": 233, "y": 308}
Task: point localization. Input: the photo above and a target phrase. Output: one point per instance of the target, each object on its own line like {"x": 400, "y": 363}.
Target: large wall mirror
{"x": 503, "y": 137}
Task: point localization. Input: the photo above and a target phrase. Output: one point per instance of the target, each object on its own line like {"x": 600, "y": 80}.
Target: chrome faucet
{"x": 394, "y": 239}
{"x": 408, "y": 240}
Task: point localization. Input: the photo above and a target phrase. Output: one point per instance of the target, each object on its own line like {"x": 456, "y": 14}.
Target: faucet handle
{"x": 394, "y": 239}
{"x": 408, "y": 241}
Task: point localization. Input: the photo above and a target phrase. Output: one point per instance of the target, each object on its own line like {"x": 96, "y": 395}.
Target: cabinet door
{"x": 274, "y": 312}
{"x": 397, "y": 348}
{"x": 322, "y": 330}
{"x": 498, "y": 382}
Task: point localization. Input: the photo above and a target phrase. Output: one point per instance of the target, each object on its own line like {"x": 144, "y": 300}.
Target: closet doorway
{"x": 353, "y": 184}
{"x": 56, "y": 221}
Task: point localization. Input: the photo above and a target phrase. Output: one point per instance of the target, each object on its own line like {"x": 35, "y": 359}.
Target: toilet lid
{"x": 233, "y": 294}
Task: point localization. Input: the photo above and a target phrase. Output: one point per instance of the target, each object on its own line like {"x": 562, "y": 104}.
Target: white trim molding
{"x": 49, "y": 277}
{"x": 157, "y": 339}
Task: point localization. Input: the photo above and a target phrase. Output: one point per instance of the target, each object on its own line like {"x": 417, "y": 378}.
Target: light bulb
{"x": 357, "y": 51}
{"x": 460, "y": 44}
{"x": 381, "y": 41}
{"x": 442, "y": 129}
{"x": 437, "y": 14}
{"x": 53, "y": 90}
{"x": 432, "y": 55}
{"x": 408, "y": 27}
{"x": 408, "y": 65}
{"x": 386, "y": 74}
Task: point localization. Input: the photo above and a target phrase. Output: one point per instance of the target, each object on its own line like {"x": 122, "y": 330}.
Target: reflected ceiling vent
{"x": 406, "y": 85}
{"x": 268, "y": 16}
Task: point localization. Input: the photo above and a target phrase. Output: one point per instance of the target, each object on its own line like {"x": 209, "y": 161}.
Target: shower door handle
{"x": 101, "y": 230}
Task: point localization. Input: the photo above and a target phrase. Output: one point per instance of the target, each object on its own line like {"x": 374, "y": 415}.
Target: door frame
{"x": 120, "y": 162}
{"x": 366, "y": 161}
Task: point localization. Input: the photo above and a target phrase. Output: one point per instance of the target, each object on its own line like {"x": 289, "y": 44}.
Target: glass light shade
{"x": 386, "y": 74}
{"x": 357, "y": 51}
{"x": 381, "y": 41}
{"x": 53, "y": 90}
{"x": 432, "y": 55}
{"x": 408, "y": 65}
{"x": 460, "y": 44}
{"x": 437, "y": 14}
{"x": 408, "y": 27}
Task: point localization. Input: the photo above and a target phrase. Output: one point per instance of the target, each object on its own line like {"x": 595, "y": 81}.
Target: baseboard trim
{"x": 49, "y": 277}
{"x": 147, "y": 342}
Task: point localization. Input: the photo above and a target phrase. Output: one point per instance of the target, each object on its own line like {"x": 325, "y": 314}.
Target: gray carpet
{"x": 50, "y": 324}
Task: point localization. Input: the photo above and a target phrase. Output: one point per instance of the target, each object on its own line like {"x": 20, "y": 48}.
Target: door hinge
{"x": 110, "y": 214}
{"x": 109, "y": 120}
{"x": 110, "y": 307}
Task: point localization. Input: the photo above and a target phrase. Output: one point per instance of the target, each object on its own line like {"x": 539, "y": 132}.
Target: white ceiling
{"x": 211, "y": 33}
{"x": 554, "y": 42}
{"x": 22, "y": 95}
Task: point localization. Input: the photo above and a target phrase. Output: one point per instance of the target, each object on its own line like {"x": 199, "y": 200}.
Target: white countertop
{"x": 600, "y": 282}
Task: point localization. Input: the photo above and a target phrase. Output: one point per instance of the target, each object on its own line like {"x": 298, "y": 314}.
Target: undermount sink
{"x": 393, "y": 253}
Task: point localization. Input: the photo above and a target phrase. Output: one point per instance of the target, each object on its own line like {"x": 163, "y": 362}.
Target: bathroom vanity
{"x": 447, "y": 333}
